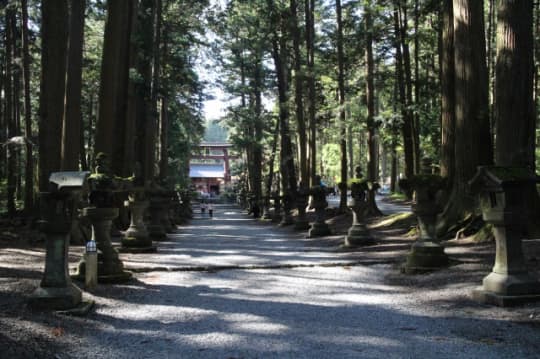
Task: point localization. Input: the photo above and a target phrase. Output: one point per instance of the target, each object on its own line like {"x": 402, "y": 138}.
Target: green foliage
{"x": 330, "y": 158}
{"x": 214, "y": 132}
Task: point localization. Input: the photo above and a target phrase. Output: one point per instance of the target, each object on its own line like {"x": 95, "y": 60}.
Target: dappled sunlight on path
{"x": 234, "y": 287}
{"x": 231, "y": 238}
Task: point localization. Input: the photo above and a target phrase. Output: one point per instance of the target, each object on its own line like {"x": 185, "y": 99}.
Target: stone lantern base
{"x": 56, "y": 298}
{"x": 267, "y": 215}
{"x": 301, "y": 224}
{"x": 425, "y": 257}
{"x": 358, "y": 235}
{"x": 319, "y": 229}
{"x": 136, "y": 238}
{"x": 137, "y": 245}
{"x": 110, "y": 267}
{"x": 505, "y": 290}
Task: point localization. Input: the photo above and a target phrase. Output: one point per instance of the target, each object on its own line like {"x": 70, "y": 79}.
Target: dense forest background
{"x": 312, "y": 87}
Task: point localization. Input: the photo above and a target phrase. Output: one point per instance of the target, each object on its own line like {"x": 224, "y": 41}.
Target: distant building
{"x": 209, "y": 169}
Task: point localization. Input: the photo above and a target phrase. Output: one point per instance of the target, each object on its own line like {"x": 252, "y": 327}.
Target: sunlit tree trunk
{"x": 298, "y": 95}
{"x": 473, "y": 146}
{"x": 341, "y": 94}
{"x": 448, "y": 92}
{"x": 309, "y": 6}
{"x": 372, "y": 169}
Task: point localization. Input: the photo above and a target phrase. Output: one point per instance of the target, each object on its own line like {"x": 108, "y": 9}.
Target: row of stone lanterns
{"x": 58, "y": 210}
{"x": 504, "y": 195}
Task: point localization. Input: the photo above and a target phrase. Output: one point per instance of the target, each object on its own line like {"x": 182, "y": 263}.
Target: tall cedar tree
{"x": 54, "y": 31}
{"x": 114, "y": 128}
{"x": 472, "y": 140}
{"x": 72, "y": 125}
{"x": 29, "y": 169}
{"x": 341, "y": 93}
{"x": 514, "y": 95}
{"x": 370, "y": 99}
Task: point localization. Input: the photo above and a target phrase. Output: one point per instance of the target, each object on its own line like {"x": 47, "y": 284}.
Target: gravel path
{"x": 270, "y": 293}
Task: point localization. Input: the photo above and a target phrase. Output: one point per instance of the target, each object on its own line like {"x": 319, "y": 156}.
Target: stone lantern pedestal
{"x": 277, "y": 208}
{"x": 286, "y": 217}
{"x": 266, "y": 215}
{"x": 158, "y": 213}
{"x": 427, "y": 253}
{"x": 56, "y": 291}
{"x": 136, "y": 238}
{"x": 504, "y": 195}
{"x": 302, "y": 223}
{"x": 110, "y": 267}
{"x": 319, "y": 228}
{"x": 358, "y": 234}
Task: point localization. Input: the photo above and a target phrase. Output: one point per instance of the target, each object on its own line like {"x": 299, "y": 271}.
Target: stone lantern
{"x": 302, "y": 197}
{"x": 58, "y": 208}
{"x": 358, "y": 233}
{"x": 136, "y": 238}
{"x": 266, "y": 215}
{"x": 505, "y": 195}
{"x": 101, "y": 213}
{"x": 319, "y": 228}
{"x": 286, "y": 208}
{"x": 276, "y": 198}
{"x": 426, "y": 253}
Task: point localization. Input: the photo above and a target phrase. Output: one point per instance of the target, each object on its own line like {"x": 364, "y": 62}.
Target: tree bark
{"x": 372, "y": 169}
{"x": 341, "y": 94}
{"x": 408, "y": 84}
{"x": 114, "y": 134}
{"x": 514, "y": 103}
{"x": 52, "y": 90}
{"x": 298, "y": 96}
{"x": 279, "y": 54}
{"x": 311, "y": 108}
{"x": 72, "y": 126}
{"x": 473, "y": 145}
{"x": 447, "y": 92}
{"x": 10, "y": 98}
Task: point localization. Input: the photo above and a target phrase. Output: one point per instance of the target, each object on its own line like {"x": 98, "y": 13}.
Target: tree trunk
{"x": 408, "y": 84}
{"x": 298, "y": 96}
{"x": 490, "y": 36}
{"x": 270, "y": 178}
{"x": 406, "y": 127}
{"x": 311, "y": 109}
{"x": 370, "y": 100}
{"x": 10, "y": 98}
{"x": 341, "y": 94}
{"x": 447, "y": 93}
{"x": 279, "y": 54}
{"x": 472, "y": 129}
{"x": 72, "y": 126}
{"x": 161, "y": 134}
{"x": 52, "y": 90}
{"x": 514, "y": 111}
{"x": 29, "y": 161}
{"x": 114, "y": 134}
{"x": 258, "y": 128}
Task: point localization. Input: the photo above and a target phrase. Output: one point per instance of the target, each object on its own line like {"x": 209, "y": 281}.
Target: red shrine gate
{"x": 209, "y": 168}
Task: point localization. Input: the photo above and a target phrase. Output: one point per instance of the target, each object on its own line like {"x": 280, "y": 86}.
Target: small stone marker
{"x": 91, "y": 278}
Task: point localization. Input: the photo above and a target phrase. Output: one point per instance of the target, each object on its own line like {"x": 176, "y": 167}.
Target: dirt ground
{"x": 31, "y": 334}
